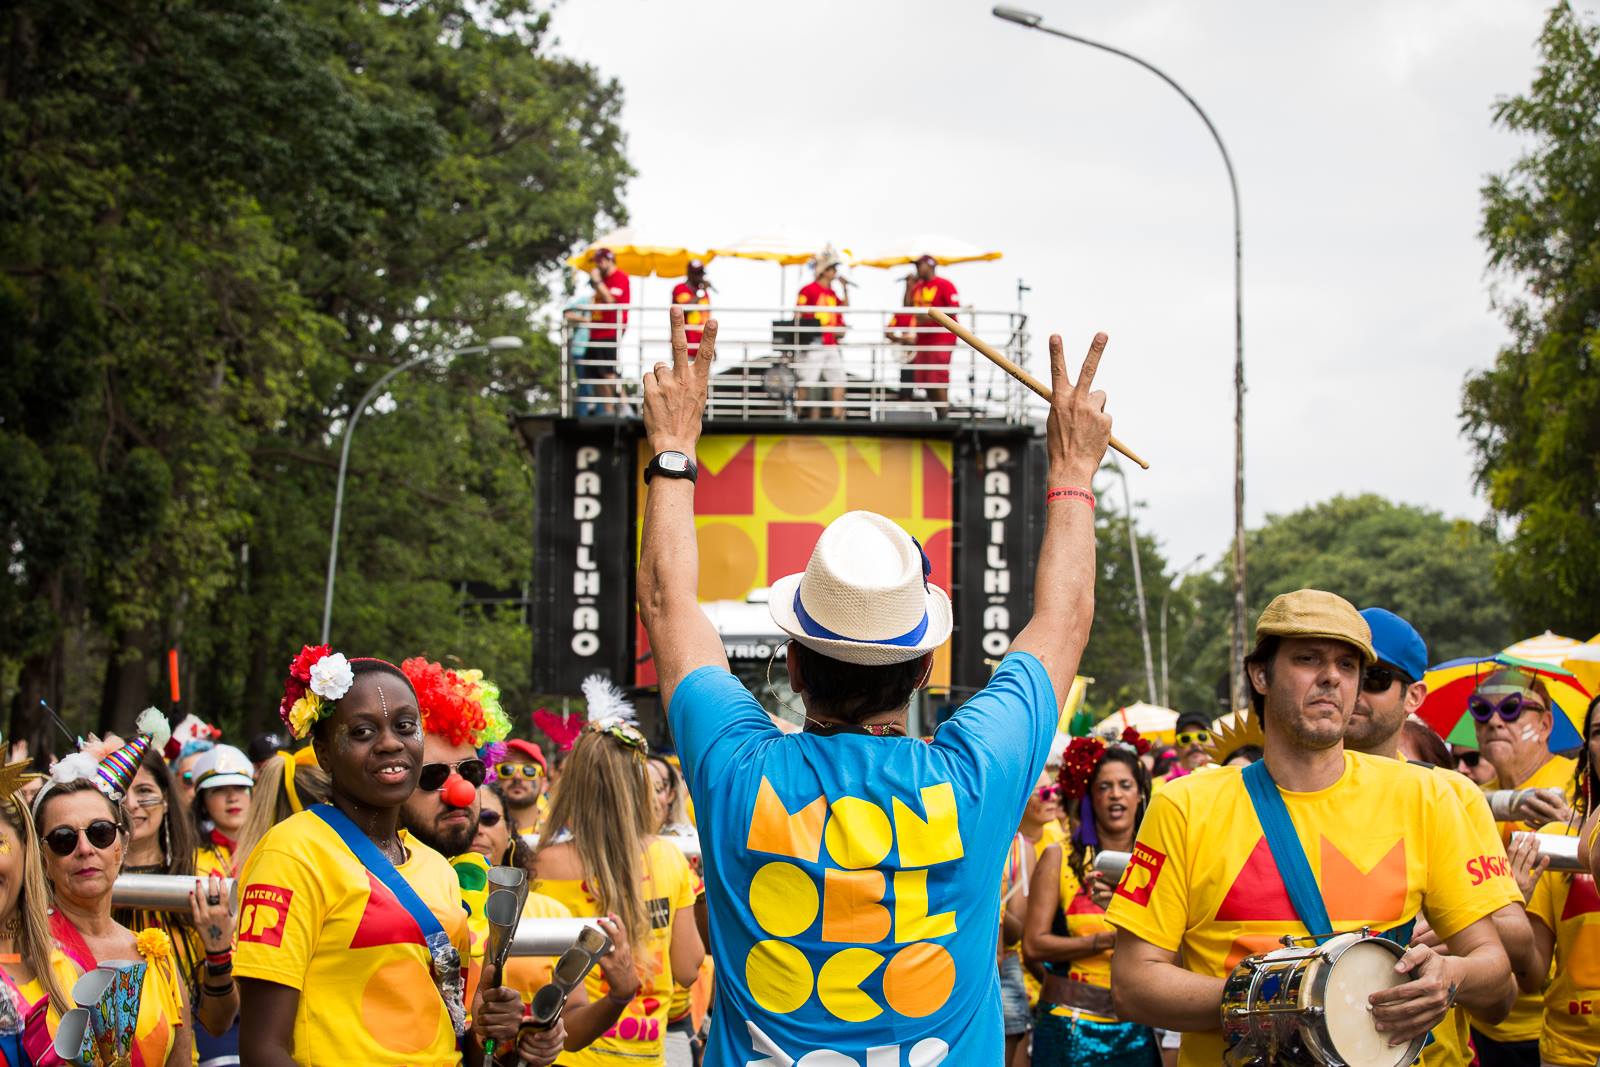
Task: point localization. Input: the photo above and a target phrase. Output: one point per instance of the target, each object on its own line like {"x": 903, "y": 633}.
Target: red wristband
{"x": 1070, "y": 492}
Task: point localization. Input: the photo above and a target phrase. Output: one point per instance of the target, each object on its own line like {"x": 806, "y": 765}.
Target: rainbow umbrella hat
{"x": 1450, "y": 684}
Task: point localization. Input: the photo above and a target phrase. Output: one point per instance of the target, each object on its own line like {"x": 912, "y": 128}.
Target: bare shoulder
{"x": 560, "y": 862}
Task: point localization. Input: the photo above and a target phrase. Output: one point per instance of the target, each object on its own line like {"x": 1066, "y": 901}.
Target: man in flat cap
{"x": 1310, "y": 840}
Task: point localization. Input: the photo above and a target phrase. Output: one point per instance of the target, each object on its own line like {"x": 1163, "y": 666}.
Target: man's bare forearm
{"x": 1165, "y": 995}
{"x": 1484, "y": 983}
{"x": 1516, "y": 937}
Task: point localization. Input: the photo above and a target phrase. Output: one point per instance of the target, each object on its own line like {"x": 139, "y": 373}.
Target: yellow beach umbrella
{"x": 1584, "y": 662}
{"x": 944, "y": 249}
{"x": 1547, "y": 647}
{"x": 641, "y": 254}
{"x": 784, "y": 249}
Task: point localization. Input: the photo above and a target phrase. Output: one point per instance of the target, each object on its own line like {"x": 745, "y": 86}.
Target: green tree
{"x": 1435, "y": 572}
{"x": 219, "y": 223}
{"x": 1534, "y": 417}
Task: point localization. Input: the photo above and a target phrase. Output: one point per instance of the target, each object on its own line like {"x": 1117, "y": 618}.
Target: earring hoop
{"x": 774, "y": 693}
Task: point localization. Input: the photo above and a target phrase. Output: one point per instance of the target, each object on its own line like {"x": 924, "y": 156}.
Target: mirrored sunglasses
{"x": 63, "y": 840}
{"x": 435, "y": 775}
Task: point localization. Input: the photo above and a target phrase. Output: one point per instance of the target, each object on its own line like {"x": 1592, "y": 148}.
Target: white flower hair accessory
{"x": 331, "y": 676}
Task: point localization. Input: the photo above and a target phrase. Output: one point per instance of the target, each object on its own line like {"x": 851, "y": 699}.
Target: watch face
{"x": 673, "y": 461}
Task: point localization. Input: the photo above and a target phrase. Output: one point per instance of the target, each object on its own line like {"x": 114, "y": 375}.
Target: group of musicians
{"x": 1500, "y": 952}
{"x": 818, "y": 323}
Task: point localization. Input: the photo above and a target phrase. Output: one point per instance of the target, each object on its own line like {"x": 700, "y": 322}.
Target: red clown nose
{"x": 458, "y": 792}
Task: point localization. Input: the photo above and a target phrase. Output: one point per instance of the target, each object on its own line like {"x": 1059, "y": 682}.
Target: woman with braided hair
{"x": 1066, "y": 929}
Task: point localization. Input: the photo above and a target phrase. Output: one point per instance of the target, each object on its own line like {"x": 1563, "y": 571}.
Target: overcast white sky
{"x": 1360, "y": 132}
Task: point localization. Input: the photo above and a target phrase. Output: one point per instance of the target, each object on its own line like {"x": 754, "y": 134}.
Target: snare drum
{"x": 1306, "y": 1006}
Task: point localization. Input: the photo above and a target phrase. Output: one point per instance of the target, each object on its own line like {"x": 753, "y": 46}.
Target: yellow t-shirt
{"x": 1568, "y": 905}
{"x": 1385, "y": 841}
{"x": 637, "y": 1037}
{"x": 1527, "y": 1013}
{"x": 1083, "y": 919}
{"x": 1450, "y": 1038}
{"x": 312, "y": 918}
{"x": 213, "y": 858}
{"x": 161, "y": 1000}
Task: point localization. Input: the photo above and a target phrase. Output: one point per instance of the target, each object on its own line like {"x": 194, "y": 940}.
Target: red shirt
{"x": 819, "y": 296}
{"x": 937, "y": 293}
{"x": 617, "y": 282}
{"x": 684, "y": 293}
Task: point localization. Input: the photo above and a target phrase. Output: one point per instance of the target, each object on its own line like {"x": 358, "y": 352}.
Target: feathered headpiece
{"x": 462, "y": 707}
{"x": 561, "y": 729}
{"x": 317, "y": 677}
{"x": 613, "y": 714}
{"x": 110, "y": 763}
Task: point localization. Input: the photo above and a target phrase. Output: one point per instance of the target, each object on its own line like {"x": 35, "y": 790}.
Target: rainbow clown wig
{"x": 461, "y": 707}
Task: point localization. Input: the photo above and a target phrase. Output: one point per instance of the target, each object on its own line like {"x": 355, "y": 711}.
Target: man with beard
{"x": 443, "y": 814}
{"x": 1191, "y": 735}
{"x": 1384, "y": 843}
{"x": 523, "y": 777}
{"x": 1391, "y": 690}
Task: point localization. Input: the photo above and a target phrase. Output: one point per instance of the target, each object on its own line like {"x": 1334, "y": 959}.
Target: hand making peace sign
{"x": 675, "y": 396}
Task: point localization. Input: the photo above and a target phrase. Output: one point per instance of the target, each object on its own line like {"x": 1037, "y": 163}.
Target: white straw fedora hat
{"x": 864, "y": 596}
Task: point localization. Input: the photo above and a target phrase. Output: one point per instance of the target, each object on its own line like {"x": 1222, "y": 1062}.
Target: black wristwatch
{"x": 671, "y": 465}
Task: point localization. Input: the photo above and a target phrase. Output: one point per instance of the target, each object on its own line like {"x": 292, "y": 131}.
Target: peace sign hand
{"x": 1078, "y": 430}
{"x": 675, "y": 396}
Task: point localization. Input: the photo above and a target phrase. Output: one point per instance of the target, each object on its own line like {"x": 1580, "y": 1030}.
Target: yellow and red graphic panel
{"x": 762, "y": 500}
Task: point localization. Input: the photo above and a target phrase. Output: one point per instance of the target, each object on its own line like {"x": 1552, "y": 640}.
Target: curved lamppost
{"x": 495, "y": 344}
{"x": 1238, "y": 686}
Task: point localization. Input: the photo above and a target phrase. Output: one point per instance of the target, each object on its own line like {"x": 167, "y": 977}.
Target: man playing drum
{"x": 1391, "y": 690}
{"x": 1382, "y": 842}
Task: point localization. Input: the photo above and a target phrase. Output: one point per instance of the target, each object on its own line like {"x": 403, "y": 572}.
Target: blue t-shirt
{"x": 853, "y": 880}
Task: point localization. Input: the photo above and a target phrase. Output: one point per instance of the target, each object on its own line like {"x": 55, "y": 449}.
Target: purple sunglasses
{"x": 1510, "y": 708}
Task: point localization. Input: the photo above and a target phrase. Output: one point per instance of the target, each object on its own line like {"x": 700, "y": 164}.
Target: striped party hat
{"x": 117, "y": 768}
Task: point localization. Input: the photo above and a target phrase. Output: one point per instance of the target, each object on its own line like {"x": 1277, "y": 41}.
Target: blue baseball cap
{"x": 1397, "y": 642}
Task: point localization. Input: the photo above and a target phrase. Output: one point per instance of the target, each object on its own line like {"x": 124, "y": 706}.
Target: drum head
{"x": 1361, "y": 970}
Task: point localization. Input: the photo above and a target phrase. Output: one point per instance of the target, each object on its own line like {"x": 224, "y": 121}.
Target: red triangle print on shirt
{"x": 1581, "y": 898}
{"x": 1378, "y": 895}
{"x": 1258, "y": 892}
{"x": 385, "y": 922}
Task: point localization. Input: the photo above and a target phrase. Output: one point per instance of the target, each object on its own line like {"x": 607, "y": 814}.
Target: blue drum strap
{"x": 1287, "y": 853}
{"x": 380, "y": 867}
{"x": 1290, "y": 858}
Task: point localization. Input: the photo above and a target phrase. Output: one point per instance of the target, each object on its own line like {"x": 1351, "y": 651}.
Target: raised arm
{"x": 682, "y": 638}
{"x": 1063, "y": 587}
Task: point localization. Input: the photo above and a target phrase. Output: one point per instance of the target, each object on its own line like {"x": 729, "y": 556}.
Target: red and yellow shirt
{"x": 688, "y": 297}
{"x": 935, "y": 293}
{"x": 1567, "y": 904}
{"x": 814, "y": 300}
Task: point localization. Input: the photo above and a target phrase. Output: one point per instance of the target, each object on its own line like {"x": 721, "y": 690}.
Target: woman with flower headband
{"x": 30, "y": 964}
{"x": 1066, "y": 928}
{"x": 599, "y": 856}
{"x": 80, "y": 816}
{"x": 351, "y": 933}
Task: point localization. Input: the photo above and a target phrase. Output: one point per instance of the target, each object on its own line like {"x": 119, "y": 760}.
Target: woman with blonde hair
{"x": 30, "y": 964}
{"x": 600, "y": 856}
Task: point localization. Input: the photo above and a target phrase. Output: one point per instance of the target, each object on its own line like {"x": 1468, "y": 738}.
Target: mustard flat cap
{"x": 1315, "y": 613}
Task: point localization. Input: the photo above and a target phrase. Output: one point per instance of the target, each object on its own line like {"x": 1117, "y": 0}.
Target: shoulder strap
{"x": 1287, "y": 853}
{"x": 378, "y": 865}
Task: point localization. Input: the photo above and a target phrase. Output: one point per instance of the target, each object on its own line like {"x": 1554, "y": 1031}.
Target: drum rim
{"x": 1319, "y": 1033}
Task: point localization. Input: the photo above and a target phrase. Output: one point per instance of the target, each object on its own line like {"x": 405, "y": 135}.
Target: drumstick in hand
{"x": 1015, "y": 371}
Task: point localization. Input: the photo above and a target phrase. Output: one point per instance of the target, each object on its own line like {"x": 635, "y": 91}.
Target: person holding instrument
{"x": 806, "y": 835}
{"x": 693, "y": 294}
{"x": 352, "y": 934}
{"x": 1513, "y": 716}
{"x": 930, "y": 362}
{"x": 1365, "y": 841}
{"x": 1066, "y": 928}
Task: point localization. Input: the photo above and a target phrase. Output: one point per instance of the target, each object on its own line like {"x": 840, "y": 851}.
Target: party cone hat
{"x": 118, "y": 767}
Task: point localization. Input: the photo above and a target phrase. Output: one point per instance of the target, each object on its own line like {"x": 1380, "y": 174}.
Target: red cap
{"x": 528, "y": 749}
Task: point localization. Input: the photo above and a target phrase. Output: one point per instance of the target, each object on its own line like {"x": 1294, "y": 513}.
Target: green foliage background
{"x": 219, "y": 223}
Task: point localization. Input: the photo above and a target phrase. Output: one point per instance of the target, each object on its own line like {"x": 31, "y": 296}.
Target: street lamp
{"x": 1236, "y": 675}
{"x": 495, "y": 344}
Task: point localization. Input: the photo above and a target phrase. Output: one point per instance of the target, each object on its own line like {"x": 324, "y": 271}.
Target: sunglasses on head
{"x": 1510, "y": 709}
{"x": 435, "y": 775}
{"x": 1194, "y": 737}
{"x": 63, "y": 840}
{"x": 489, "y": 817}
{"x": 1378, "y": 679}
{"x": 519, "y": 770}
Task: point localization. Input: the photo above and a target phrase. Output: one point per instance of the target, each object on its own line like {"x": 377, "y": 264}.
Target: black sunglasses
{"x": 488, "y": 817}
{"x": 434, "y": 775}
{"x": 1510, "y": 709}
{"x": 63, "y": 840}
{"x": 1469, "y": 758}
{"x": 1378, "y": 679}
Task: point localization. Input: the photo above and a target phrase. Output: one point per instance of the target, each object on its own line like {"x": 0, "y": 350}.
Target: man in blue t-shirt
{"x": 853, "y": 873}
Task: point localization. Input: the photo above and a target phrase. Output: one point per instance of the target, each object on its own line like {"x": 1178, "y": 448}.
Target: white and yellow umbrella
{"x": 784, "y": 249}
{"x": 641, "y": 254}
{"x": 944, "y": 249}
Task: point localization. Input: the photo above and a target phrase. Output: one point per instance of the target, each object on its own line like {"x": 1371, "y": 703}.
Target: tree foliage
{"x": 1534, "y": 417}
{"x": 1433, "y": 571}
{"x": 219, "y": 224}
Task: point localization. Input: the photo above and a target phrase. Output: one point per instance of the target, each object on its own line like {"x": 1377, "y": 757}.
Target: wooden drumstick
{"x": 1015, "y": 371}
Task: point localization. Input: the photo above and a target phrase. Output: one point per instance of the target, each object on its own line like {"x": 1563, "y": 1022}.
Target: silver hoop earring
{"x": 774, "y": 693}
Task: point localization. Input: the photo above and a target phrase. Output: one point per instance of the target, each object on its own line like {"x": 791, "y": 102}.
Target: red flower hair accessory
{"x": 1131, "y": 738}
{"x": 1078, "y": 762}
{"x": 562, "y": 729}
{"x": 317, "y": 677}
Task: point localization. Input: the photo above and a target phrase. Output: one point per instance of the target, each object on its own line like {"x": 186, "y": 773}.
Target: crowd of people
{"x": 810, "y": 341}
{"x": 841, "y": 895}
